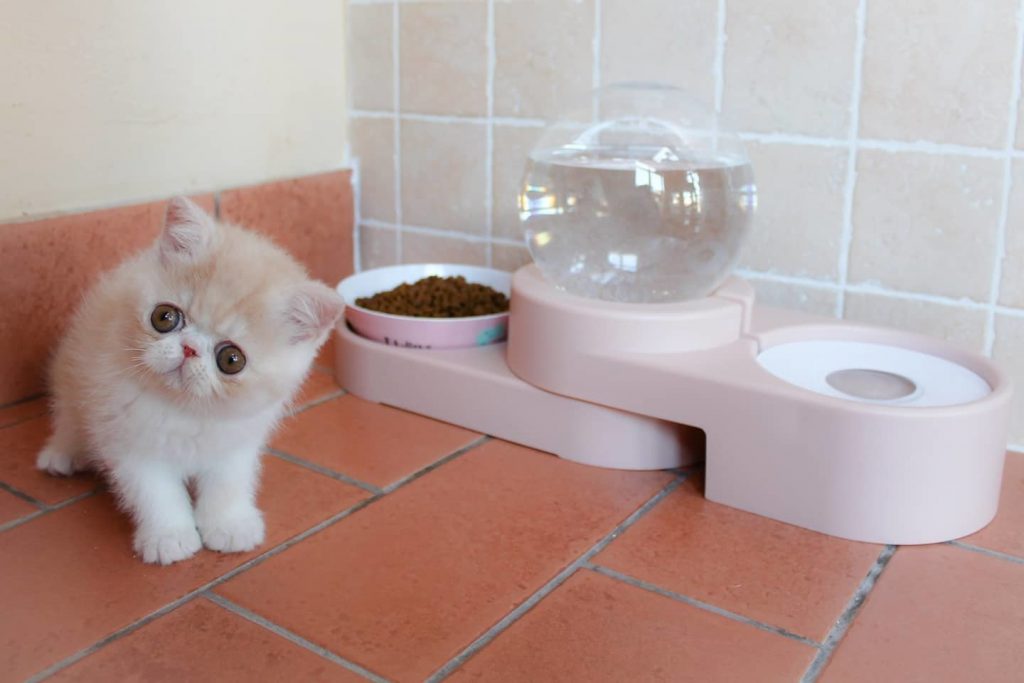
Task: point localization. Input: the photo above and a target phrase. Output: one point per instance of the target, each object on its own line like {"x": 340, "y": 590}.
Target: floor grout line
{"x": 317, "y": 402}
{"x": 293, "y": 637}
{"x": 45, "y": 509}
{"x": 842, "y": 625}
{"x": 987, "y": 551}
{"x": 706, "y": 606}
{"x": 18, "y": 493}
{"x": 326, "y": 471}
{"x": 7, "y": 526}
{"x": 479, "y": 441}
{"x": 18, "y": 402}
{"x": 245, "y": 566}
{"x": 513, "y": 616}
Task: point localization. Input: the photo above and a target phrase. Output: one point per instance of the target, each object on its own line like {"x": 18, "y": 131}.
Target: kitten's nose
{"x": 189, "y": 351}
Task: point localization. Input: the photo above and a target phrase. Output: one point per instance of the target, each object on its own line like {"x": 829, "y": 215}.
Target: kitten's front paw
{"x": 234, "y": 534}
{"x": 164, "y": 546}
{"x": 56, "y": 462}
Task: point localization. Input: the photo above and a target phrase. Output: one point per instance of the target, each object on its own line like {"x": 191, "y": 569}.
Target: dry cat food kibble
{"x": 437, "y": 297}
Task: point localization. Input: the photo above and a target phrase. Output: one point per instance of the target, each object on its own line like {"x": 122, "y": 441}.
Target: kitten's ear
{"x": 312, "y": 310}
{"x": 188, "y": 231}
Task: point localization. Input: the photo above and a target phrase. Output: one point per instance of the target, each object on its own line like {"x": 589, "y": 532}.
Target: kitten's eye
{"x": 230, "y": 359}
{"x": 166, "y": 318}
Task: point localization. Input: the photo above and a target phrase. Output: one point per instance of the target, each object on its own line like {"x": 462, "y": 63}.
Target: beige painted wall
{"x": 109, "y": 102}
{"x": 884, "y": 136}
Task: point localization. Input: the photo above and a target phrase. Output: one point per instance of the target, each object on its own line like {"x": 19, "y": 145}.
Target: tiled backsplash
{"x": 884, "y": 137}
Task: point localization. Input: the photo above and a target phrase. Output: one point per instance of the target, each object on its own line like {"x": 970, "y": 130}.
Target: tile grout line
{"x": 18, "y": 402}
{"x": 850, "y": 182}
{"x": 174, "y": 604}
{"x": 475, "y": 443}
{"x": 327, "y": 472}
{"x": 842, "y": 625}
{"x": 829, "y": 285}
{"x": 489, "y": 149}
{"x": 868, "y": 288}
{"x": 928, "y": 147}
{"x": 718, "y": 61}
{"x": 595, "y": 52}
{"x": 514, "y": 615}
{"x": 396, "y": 93}
{"x": 245, "y": 566}
{"x": 44, "y": 508}
{"x": 438, "y": 232}
{"x": 1004, "y": 201}
{"x": 14, "y": 523}
{"x": 1006, "y": 557}
{"x": 317, "y": 402}
{"x": 18, "y": 493}
{"x": 292, "y": 637}
{"x": 700, "y": 604}
{"x": 357, "y": 211}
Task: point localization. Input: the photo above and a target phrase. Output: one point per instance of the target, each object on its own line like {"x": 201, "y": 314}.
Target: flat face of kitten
{"x": 223, "y": 321}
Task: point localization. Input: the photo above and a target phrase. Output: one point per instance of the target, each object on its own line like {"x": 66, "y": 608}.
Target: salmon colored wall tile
{"x": 311, "y": 217}
{"x": 45, "y": 265}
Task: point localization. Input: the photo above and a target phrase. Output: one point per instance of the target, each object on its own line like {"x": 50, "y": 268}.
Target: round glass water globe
{"x": 644, "y": 197}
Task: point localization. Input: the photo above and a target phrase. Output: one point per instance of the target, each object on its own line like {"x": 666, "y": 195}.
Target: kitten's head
{"x": 225, "y": 321}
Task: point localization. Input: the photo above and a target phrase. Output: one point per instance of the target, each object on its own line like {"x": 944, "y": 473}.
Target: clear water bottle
{"x": 643, "y": 198}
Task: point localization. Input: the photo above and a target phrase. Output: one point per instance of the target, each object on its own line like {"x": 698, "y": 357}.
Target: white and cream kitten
{"x": 174, "y": 370}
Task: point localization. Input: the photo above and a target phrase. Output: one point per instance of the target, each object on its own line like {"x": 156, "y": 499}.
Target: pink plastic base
{"x": 475, "y": 389}
{"x": 877, "y": 473}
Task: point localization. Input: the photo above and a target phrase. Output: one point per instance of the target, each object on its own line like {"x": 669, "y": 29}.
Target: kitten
{"x": 174, "y": 370}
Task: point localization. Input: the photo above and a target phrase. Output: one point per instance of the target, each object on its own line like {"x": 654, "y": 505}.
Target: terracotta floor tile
{"x": 1006, "y": 532}
{"x": 312, "y": 217}
{"x": 779, "y": 574}
{"x": 368, "y": 441}
{"x": 937, "y": 613}
{"x": 25, "y": 410}
{"x": 319, "y": 384}
{"x": 12, "y": 507}
{"x": 593, "y": 628}
{"x": 325, "y": 359}
{"x": 44, "y": 267}
{"x": 405, "y": 584}
{"x": 70, "y": 577}
{"x": 19, "y": 445}
{"x": 203, "y": 642}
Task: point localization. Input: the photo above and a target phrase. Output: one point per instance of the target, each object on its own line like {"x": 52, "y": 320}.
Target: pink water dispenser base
{"x": 663, "y": 385}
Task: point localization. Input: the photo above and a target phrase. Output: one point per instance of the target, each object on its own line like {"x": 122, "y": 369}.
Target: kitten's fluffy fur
{"x": 136, "y": 403}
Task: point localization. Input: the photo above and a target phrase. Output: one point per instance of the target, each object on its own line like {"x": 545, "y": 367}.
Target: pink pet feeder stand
{"x": 617, "y": 355}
